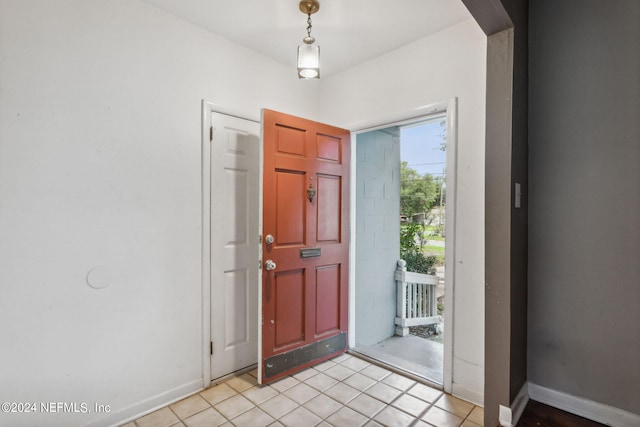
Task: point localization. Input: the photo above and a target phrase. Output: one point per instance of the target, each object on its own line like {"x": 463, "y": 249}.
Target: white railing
{"x": 415, "y": 300}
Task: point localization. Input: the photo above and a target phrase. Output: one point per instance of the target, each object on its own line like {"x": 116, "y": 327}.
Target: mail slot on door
{"x": 310, "y": 253}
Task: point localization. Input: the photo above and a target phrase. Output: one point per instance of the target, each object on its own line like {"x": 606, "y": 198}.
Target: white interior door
{"x": 235, "y": 160}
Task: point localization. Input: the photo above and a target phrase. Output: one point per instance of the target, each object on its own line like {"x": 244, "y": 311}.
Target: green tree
{"x": 418, "y": 193}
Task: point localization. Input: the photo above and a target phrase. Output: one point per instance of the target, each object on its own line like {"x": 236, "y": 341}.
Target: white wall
{"x": 100, "y": 165}
{"x": 451, "y": 63}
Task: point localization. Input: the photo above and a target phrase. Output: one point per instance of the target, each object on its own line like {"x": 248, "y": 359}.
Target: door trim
{"x": 450, "y": 109}
{"x": 208, "y": 108}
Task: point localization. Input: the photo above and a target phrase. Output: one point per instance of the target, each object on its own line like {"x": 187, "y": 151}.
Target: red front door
{"x": 305, "y": 244}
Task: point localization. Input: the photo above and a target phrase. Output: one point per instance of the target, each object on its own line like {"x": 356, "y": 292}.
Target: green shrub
{"x": 419, "y": 263}
{"x": 408, "y": 234}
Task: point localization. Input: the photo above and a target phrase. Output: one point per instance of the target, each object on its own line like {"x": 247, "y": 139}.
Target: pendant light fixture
{"x": 308, "y": 53}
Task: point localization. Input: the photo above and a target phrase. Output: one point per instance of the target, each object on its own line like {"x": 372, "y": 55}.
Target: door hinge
{"x": 211, "y": 134}
{"x": 211, "y": 348}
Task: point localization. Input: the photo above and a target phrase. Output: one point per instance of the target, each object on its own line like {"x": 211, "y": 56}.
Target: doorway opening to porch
{"x": 401, "y": 234}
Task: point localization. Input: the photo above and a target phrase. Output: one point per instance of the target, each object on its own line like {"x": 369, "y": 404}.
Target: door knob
{"x": 269, "y": 239}
{"x": 269, "y": 265}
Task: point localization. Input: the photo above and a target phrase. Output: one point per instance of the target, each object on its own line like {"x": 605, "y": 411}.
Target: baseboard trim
{"x": 467, "y": 394}
{"x": 509, "y": 417}
{"x": 149, "y": 405}
{"x": 519, "y": 403}
{"x": 586, "y": 408}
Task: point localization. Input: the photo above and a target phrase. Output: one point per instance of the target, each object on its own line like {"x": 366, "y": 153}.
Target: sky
{"x": 420, "y": 148}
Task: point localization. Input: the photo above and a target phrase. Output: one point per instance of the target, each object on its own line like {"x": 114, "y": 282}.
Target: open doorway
{"x": 401, "y": 212}
{"x": 423, "y": 163}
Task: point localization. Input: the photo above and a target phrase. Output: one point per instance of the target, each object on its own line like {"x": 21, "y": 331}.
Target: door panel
{"x": 327, "y": 294}
{"x": 329, "y": 148}
{"x": 290, "y": 140}
{"x": 329, "y": 199}
{"x": 236, "y": 292}
{"x": 306, "y": 267}
{"x": 235, "y": 165}
{"x": 290, "y": 208}
{"x": 289, "y": 308}
{"x": 237, "y": 215}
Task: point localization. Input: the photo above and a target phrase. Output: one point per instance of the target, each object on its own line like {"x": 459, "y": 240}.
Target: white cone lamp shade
{"x": 308, "y": 61}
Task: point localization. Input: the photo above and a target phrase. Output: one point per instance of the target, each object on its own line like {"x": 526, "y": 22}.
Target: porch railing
{"x": 415, "y": 300}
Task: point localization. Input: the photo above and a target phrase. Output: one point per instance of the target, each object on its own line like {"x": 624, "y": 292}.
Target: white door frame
{"x": 208, "y": 108}
{"x": 450, "y": 109}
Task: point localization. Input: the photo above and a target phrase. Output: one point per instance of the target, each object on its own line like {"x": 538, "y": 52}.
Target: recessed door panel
{"x": 236, "y": 319}
{"x": 291, "y": 141}
{"x": 329, "y": 208}
{"x": 237, "y": 203}
{"x": 327, "y": 299}
{"x": 329, "y": 148}
{"x": 289, "y": 307}
{"x": 290, "y": 208}
{"x": 237, "y": 142}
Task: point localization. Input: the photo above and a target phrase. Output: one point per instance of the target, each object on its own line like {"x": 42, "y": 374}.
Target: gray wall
{"x": 518, "y": 11}
{"x": 377, "y": 233}
{"x": 584, "y": 243}
{"x": 506, "y": 228}
{"x": 498, "y": 285}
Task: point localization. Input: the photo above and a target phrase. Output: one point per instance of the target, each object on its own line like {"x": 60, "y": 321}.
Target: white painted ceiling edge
{"x": 349, "y": 32}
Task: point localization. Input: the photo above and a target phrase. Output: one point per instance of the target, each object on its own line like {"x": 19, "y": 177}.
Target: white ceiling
{"x": 348, "y": 31}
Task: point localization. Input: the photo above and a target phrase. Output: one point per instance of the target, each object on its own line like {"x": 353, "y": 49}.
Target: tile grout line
{"x": 360, "y": 392}
{"x": 423, "y": 413}
{"x": 345, "y": 404}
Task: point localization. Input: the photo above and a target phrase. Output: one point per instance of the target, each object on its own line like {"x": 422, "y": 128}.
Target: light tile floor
{"x": 344, "y": 391}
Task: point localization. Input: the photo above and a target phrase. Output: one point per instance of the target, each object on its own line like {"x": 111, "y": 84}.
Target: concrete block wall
{"x": 378, "y": 233}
